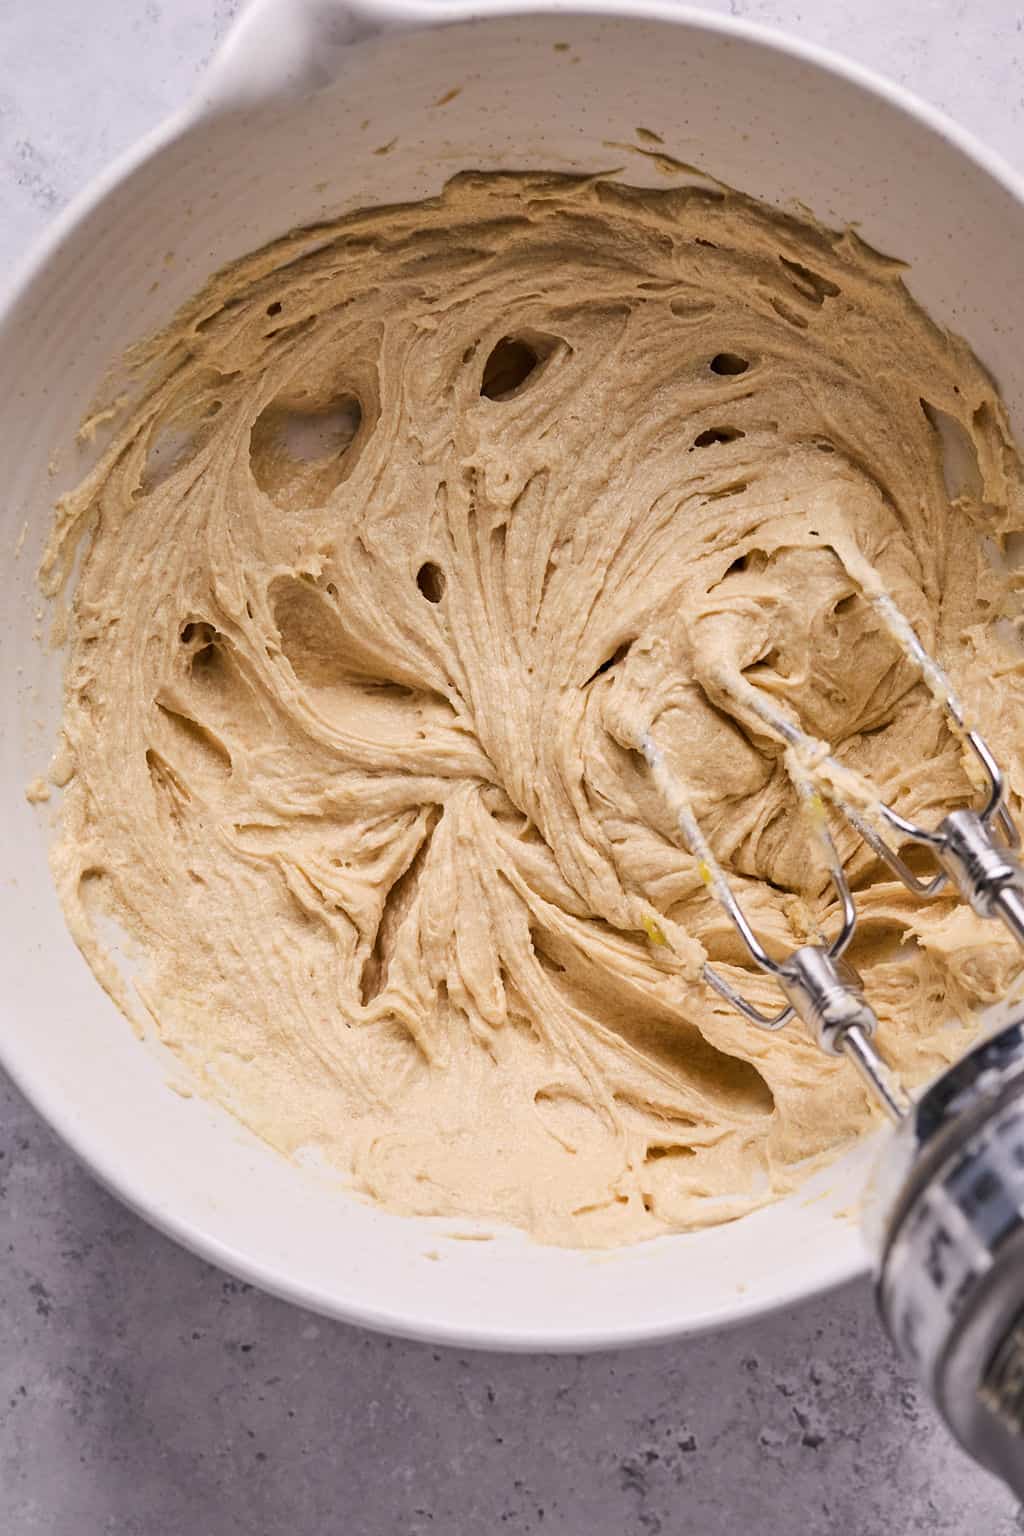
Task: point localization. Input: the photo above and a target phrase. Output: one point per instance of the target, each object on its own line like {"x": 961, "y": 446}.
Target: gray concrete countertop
{"x": 144, "y": 1394}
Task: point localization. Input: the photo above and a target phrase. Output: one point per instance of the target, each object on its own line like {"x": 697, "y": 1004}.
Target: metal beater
{"x": 947, "y": 1207}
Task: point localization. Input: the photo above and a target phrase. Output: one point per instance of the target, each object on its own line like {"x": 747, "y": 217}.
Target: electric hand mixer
{"x": 948, "y": 1203}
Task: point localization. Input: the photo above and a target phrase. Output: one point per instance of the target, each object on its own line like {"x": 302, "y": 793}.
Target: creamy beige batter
{"x": 415, "y": 519}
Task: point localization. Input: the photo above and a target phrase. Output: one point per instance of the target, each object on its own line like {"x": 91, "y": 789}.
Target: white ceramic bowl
{"x": 275, "y": 138}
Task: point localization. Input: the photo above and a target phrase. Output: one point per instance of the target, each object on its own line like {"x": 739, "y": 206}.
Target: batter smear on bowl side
{"x": 413, "y": 516}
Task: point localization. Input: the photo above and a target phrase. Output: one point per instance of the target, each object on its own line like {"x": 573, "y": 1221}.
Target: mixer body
{"x": 946, "y": 1216}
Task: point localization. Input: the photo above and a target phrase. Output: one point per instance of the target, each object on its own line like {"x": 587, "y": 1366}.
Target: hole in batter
{"x": 342, "y": 675}
{"x": 298, "y": 449}
{"x": 960, "y": 469}
{"x": 275, "y": 308}
{"x": 878, "y": 942}
{"x": 507, "y": 369}
{"x": 810, "y": 284}
{"x": 171, "y": 446}
{"x": 769, "y": 663}
{"x": 660, "y": 1035}
{"x": 683, "y": 1049}
{"x": 197, "y": 632}
{"x": 198, "y": 749}
{"x": 515, "y": 362}
{"x": 736, "y": 488}
{"x": 728, "y": 364}
{"x": 206, "y": 659}
{"x": 431, "y": 581}
{"x": 542, "y": 942}
{"x": 717, "y": 435}
{"x": 397, "y": 905}
{"x": 619, "y": 654}
{"x": 657, "y": 1153}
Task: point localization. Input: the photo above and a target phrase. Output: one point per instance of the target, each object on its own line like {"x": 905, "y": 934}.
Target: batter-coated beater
{"x": 946, "y": 1210}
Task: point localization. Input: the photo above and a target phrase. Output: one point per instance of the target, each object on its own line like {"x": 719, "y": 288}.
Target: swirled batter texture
{"x": 415, "y": 520}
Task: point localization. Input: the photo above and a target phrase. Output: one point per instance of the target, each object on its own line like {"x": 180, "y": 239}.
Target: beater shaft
{"x": 877, "y": 1076}
{"x": 823, "y": 991}
{"x": 828, "y": 996}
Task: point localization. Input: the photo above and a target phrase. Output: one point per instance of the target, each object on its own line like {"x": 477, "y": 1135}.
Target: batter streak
{"x": 413, "y": 519}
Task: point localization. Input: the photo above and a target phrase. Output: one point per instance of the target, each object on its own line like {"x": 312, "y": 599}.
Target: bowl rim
{"x": 834, "y": 1270}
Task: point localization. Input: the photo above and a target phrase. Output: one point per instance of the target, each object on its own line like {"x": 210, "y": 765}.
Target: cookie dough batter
{"x": 413, "y": 518}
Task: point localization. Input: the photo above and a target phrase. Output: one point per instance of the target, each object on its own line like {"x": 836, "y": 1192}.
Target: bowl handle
{"x": 282, "y": 48}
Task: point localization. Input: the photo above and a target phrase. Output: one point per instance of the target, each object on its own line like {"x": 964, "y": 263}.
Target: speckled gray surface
{"x": 144, "y": 1394}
